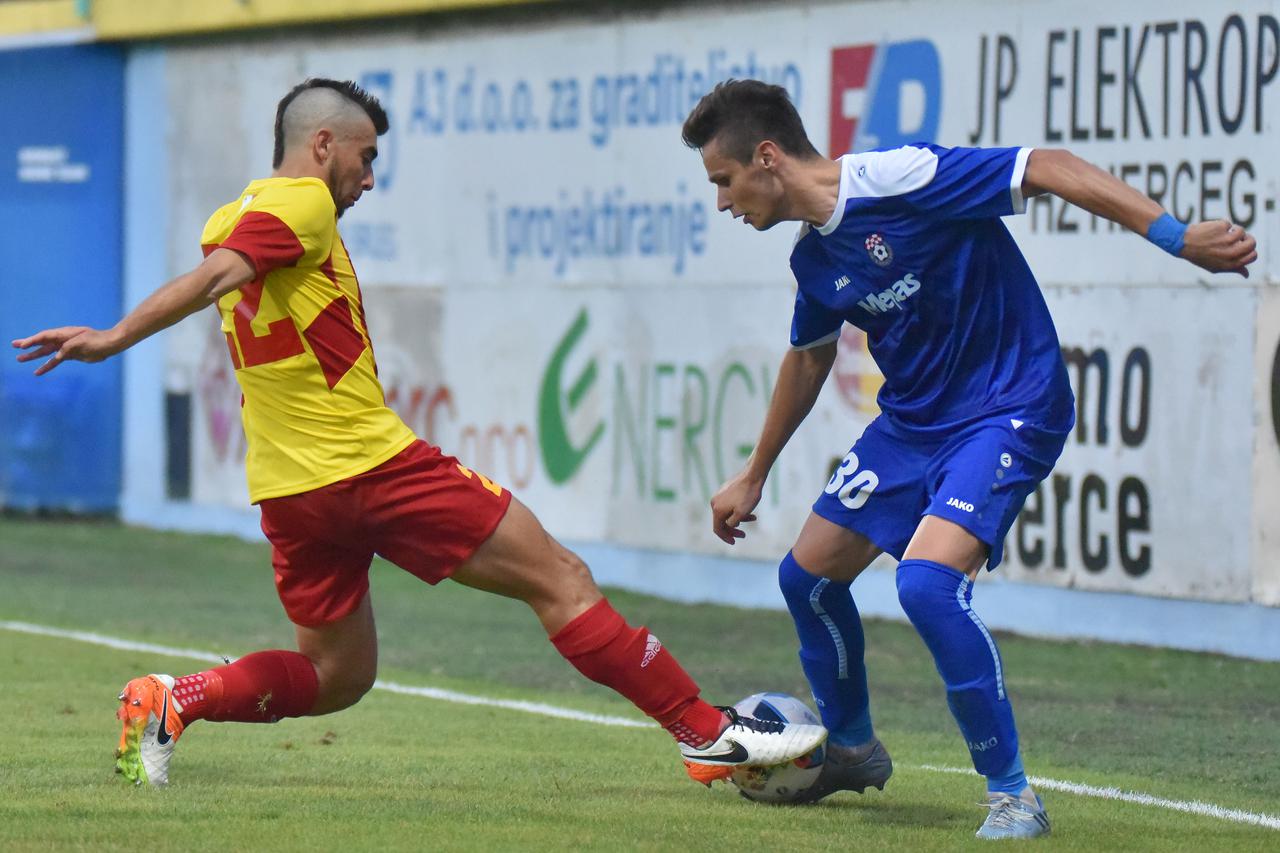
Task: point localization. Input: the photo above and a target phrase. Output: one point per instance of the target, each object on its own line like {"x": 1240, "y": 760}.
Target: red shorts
{"x": 420, "y": 509}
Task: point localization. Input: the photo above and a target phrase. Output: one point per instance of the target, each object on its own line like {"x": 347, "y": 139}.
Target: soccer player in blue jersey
{"x": 907, "y": 244}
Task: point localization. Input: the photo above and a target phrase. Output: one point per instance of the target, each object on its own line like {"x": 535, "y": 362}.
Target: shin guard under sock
{"x": 831, "y": 650}
{"x": 603, "y": 647}
{"x": 259, "y": 688}
{"x": 936, "y": 599}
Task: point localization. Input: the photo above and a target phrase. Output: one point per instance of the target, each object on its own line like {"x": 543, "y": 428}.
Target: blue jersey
{"x": 915, "y": 255}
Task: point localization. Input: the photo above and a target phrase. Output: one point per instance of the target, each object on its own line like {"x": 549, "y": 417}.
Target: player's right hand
{"x": 67, "y": 343}
{"x": 1219, "y": 246}
{"x": 733, "y": 505}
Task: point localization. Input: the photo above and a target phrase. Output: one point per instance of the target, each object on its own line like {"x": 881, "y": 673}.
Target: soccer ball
{"x": 778, "y": 783}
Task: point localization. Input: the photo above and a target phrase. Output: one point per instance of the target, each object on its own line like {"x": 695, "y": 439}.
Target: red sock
{"x": 603, "y": 647}
{"x": 259, "y": 688}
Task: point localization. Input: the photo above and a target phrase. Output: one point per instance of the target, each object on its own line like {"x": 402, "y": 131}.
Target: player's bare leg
{"x": 815, "y": 579}
{"x": 521, "y": 560}
{"x": 345, "y": 656}
{"x": 827, "y": 550}
{"x": 941, "y": 541}
{"x": 935, "y": 581}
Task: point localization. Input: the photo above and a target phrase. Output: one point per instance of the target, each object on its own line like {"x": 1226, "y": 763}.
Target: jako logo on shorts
{"x": 884, "y": 95}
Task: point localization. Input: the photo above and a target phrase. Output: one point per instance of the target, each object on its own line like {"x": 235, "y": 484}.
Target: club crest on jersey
{"x": 879, "y": 250}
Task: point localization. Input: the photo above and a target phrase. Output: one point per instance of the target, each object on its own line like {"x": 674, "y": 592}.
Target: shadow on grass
{"x": 884, "y": 811}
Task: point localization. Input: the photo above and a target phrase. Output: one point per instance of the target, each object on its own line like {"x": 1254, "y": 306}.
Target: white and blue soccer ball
{"x": 779, "y": 783}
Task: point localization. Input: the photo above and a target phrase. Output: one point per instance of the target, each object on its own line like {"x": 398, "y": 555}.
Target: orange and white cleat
{"x": 705, "y": 774}
{"x": 747, "y": 741}
{"x": 152, "y": 727}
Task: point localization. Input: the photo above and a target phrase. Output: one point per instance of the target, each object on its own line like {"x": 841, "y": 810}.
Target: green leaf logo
{"x": 560, "y": 456}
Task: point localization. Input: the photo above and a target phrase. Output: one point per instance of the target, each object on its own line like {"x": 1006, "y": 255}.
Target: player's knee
{"x": 572, "y": 575}
{"x": 348, "y": 692}
{"x": 341, "y": 687}
{"x": 555, "y": 580}
{"x": 795, "y": 583}
{"x": 924, "y": 591}
{"x": 563, "y": 591}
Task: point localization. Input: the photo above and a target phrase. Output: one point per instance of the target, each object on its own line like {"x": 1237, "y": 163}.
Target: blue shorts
{"x": 977, "y": 477}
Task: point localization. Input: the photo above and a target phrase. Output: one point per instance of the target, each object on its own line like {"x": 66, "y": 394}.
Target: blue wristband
{"x": 1167, "y": 233}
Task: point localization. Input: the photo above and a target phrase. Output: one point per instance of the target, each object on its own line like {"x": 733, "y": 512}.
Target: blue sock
{"x": 831, "y": 650}
{"x": 1012, "y": 781}
{"x": 936, "y": 600}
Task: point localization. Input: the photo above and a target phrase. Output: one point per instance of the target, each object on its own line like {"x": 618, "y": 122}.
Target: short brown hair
{"x": 744, "y": 113}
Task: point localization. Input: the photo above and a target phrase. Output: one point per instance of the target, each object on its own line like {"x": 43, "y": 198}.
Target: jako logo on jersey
{"x": 651, "y": 648}
{"x": 879, "y": 250}
{"x": 842, "y": 282}
{"x": 884, "y": 95}
{"x": 891, "y": 298}
{"x": 959, "y": 504}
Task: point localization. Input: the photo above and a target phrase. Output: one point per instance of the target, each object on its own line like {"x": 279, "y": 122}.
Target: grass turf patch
{"x": 1173, "y": 724}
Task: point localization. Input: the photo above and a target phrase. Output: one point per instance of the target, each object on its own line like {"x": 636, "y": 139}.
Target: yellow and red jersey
{"x": 313, "y": 409}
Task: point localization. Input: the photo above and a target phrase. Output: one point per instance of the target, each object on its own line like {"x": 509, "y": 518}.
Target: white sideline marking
{"x": 1190, "y": 807}
{"x": 389, "y": 686}
{"x": 111, "y": 642}
{"x": 512, "y": 704}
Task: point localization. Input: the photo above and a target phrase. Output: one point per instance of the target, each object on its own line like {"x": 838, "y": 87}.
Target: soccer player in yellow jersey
{"x": 339, "y": 477}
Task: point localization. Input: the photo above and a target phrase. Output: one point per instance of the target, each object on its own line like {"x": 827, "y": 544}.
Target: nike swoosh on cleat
{"x": 737, "y": 755}
{"x": 163, "y": 736}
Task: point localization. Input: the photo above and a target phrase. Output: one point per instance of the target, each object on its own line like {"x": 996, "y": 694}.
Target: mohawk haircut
{"x": 743, "y": 113}
{"x": 347, "y": 89}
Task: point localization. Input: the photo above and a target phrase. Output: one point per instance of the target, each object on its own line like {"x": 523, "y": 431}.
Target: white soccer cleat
{"x": 749, "y": 741}
{"x": 1014, "y": 817}
{"x": 152, "y": 727}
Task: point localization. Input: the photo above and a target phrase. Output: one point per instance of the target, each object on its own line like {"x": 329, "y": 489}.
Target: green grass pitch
{"x": 407, "y": 773}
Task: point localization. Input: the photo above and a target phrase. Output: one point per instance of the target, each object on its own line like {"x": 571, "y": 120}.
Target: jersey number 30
{"x": 850, "y": 485}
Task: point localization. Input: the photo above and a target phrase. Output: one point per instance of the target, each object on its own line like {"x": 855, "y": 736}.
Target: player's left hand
{"x": 1220, "y": 246}
{"x": 67, "y": 343}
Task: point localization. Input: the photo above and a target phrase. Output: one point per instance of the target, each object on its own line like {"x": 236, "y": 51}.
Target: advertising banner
{"x": 554, "y": 297}
{"x": 1153, "y": 491}
{"x": 61, "y": 173}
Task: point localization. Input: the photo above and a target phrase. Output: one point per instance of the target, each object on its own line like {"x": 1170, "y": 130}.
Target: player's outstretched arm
{"x": 222, "y": 272}
{"x": 1217, "y": 245}
{"x": 800, "y": 379}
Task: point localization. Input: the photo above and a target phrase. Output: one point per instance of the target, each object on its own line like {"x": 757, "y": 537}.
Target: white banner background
{"x": 534, "y": 194}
